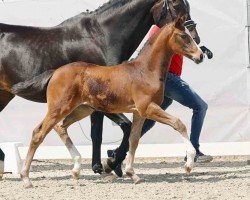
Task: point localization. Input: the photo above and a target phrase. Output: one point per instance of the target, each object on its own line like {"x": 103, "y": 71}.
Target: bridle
{"x": 190, "y": 24}
{"x": 169, "y": 8}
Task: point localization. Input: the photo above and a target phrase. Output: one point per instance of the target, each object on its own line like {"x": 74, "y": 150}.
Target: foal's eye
{"x": 184, "y": 36}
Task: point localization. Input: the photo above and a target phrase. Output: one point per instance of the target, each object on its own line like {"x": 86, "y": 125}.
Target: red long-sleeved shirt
{"x": 177, "y": 60}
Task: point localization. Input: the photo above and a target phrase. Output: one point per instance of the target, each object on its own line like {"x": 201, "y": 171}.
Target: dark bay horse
{"x": 132, "y": 87}
{"x": 107, "y": 36}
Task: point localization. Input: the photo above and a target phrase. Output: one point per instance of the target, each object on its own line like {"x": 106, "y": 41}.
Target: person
{"x": 176, "y": 89}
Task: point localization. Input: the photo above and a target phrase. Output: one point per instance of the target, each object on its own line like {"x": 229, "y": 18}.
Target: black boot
{"x": 118, "y": 169}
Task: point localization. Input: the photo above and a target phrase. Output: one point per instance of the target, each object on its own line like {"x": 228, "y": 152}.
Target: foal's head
{"x": 181, "y": 42}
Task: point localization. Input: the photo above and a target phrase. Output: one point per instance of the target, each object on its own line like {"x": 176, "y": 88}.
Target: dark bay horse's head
{"x": 181, "y": 42}
{"x": 166, "y": 11}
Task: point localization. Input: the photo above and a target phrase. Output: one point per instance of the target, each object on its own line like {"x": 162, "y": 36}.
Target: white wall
{"x": 222, "y": 82}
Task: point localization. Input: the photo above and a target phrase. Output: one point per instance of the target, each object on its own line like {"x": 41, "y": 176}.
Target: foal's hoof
{"x": 28, "y": 185}
{"x": 188, "y": 169}
{"x": 97, "y": 168}
{"x": 139, "y": 180}
{"x": 1, "y": 177}
{"x": 75, "y": 174}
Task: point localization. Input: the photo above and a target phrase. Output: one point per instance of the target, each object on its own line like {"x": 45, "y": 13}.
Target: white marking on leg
{"x": 25, "y": 177}
{"x": 77, "y": 167}
{"x": 191, "y": 152}
{"x": 76, "y": 156}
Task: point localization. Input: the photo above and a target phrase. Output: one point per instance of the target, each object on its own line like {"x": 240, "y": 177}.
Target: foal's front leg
{"x": 155, "y": 113}
{"x": 134, "y": 138}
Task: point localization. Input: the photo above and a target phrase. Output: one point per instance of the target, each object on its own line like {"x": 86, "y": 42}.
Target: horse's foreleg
{"x": 61, "y": 129}
{"x": 155, "y": 113}
{"x": 96, "y": 136}
{"x": 133, "y": 144}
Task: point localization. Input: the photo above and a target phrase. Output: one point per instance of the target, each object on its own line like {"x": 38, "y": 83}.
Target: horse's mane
{"x": 110, "y": 4}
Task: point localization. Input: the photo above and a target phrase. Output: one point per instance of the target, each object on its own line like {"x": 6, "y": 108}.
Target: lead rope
{"x": 105, "y": 143}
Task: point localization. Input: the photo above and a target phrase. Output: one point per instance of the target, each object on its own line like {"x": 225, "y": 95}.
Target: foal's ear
{"x": 179, "y": 22}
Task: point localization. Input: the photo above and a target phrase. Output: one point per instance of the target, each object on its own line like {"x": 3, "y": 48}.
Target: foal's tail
{"x": 34, "y": 89}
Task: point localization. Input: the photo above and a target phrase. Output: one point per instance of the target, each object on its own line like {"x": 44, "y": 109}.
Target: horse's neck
{"x": 125, "y": 27}
{"x": 157, "y": 54}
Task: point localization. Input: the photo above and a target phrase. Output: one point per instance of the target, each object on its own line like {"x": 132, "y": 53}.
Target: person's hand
{"x": 206, "y": 51}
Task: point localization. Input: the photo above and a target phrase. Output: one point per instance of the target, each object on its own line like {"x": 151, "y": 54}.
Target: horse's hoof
{"x": 107, "y": 168}
{"x": 97, "y": 168}
{"x": 75, "y": 174}
{"x": 28, "y": 185}
{"x": 188, "y": 169}
{"x": 1, "y": 177}
{"x": 139, "y": 180}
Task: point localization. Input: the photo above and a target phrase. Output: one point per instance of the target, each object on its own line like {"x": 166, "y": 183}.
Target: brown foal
{"x": 133, "y": 87}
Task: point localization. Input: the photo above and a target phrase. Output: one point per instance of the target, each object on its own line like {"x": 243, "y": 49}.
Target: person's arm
{"x": 153, "y": 31}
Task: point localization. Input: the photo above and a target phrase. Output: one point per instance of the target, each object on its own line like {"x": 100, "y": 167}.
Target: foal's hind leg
{"x": 155, "y": 113}
{"x": 134, "y": 138}
{"x": 61, "y": 129}
{"x": 55, "y": 114}
{"x": 37, "y": 138}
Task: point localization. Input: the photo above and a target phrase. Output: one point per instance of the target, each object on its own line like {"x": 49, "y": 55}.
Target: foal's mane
{"x": 153, "y": 39}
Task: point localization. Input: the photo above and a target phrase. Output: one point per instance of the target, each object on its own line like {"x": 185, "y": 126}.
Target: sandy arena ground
{"x": 224, "y": 178}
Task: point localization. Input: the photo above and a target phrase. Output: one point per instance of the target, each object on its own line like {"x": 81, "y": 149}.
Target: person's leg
{"x": 180, "y": 91}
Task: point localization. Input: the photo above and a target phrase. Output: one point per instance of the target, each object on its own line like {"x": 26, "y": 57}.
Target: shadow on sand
{"x": 232, "y": 170}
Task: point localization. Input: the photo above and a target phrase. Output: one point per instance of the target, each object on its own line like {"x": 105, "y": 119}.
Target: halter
{"x": 189, "y": 24}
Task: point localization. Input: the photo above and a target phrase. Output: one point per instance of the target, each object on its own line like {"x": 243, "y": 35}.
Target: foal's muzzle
{"x": 199, "y": 59}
